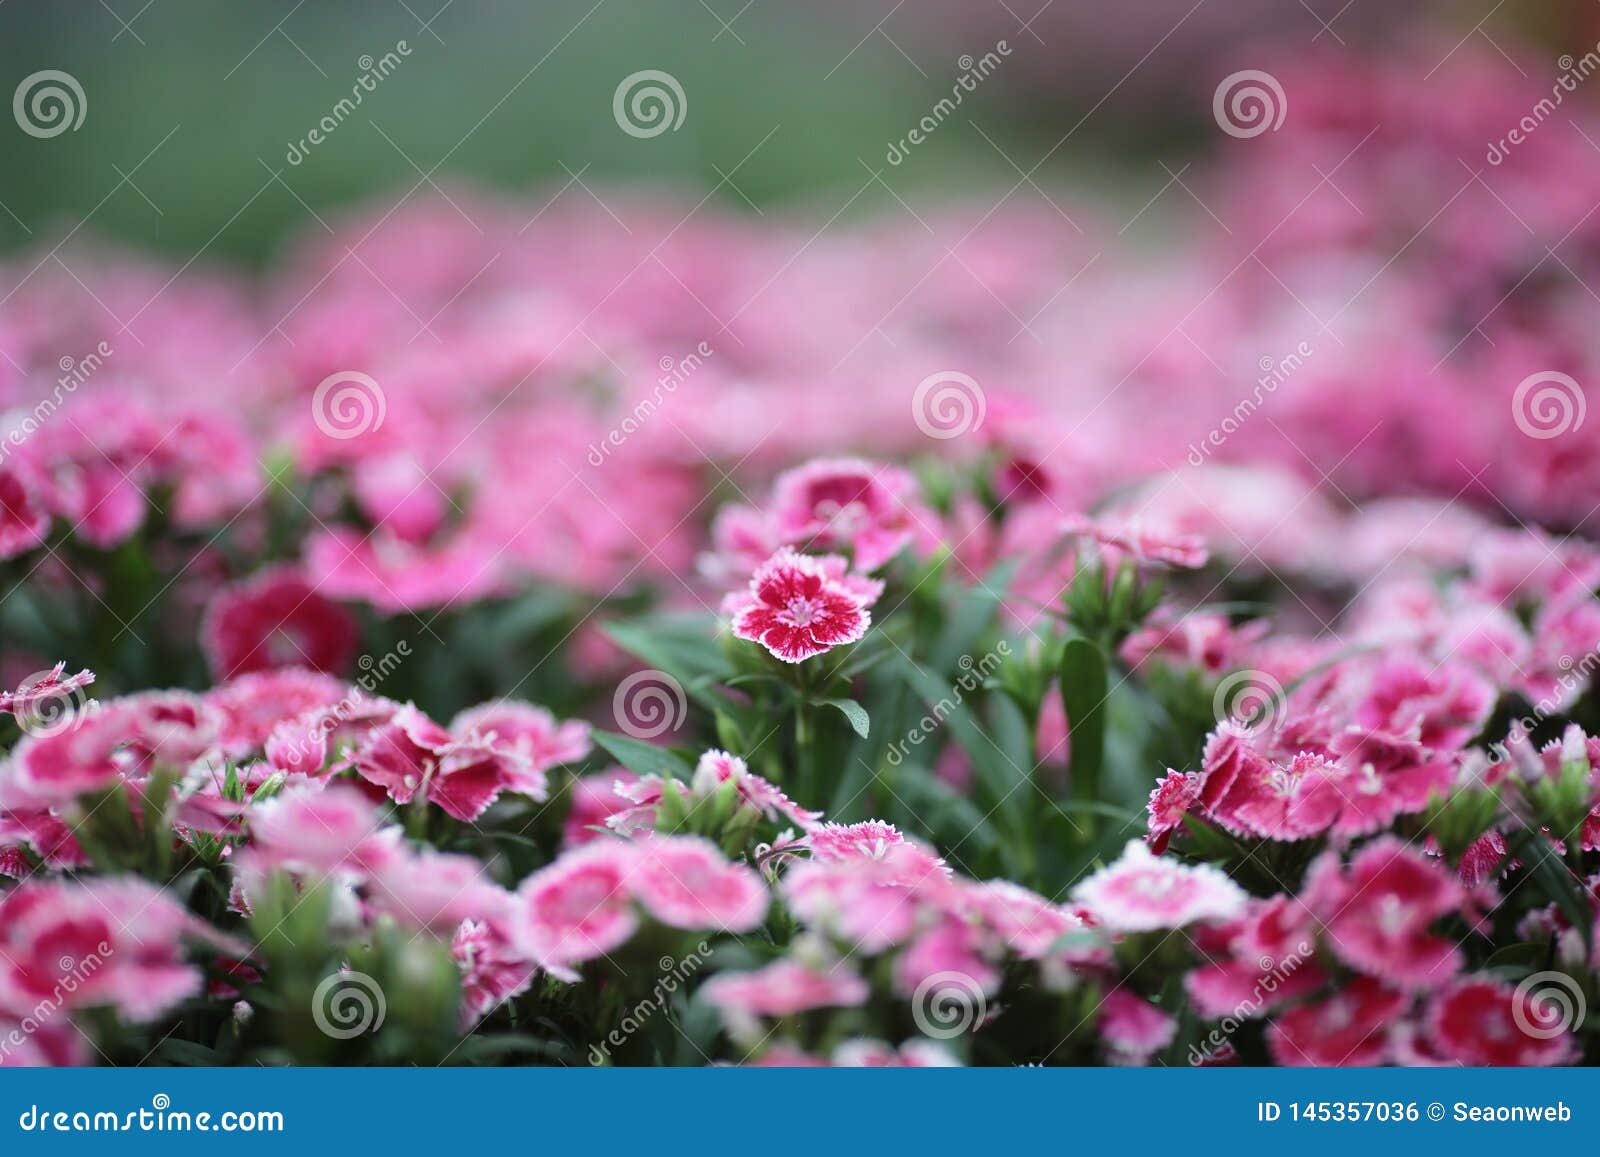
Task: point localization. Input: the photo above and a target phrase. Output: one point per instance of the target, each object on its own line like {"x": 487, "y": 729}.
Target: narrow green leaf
{"x": 643, "y": 758}
{"x": 1083, "y": 695}
{"x": 1554, "y": 879}
{"x": 854, "y": 712}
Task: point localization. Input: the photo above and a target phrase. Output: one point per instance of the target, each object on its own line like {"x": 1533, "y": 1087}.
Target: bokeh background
{"x": 193, "y": 104}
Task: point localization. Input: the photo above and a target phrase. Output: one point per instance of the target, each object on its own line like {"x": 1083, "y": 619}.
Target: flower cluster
{"x": 1076, "y": 734}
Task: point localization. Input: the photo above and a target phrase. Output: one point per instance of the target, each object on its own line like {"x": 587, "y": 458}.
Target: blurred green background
{"x": 192, "y": 105}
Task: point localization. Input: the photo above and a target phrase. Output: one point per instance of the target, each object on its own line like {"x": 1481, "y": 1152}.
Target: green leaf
{"x": 998, "y": 771}
{"x": 496, "y": 1047}
{"x": 854, "y": 712}
{"x": 643, "y": 758}
{"x": 1083, "y": 695}
{"x": 685, "y": 648}
{"x": 971, "y": 616}
{"x": 1555, "y": 880}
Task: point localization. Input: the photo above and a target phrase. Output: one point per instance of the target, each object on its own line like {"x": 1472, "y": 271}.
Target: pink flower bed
{"x": 646, "y": 636}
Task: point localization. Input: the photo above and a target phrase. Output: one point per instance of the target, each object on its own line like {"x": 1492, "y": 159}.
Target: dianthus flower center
{"x": 800, "y": 612}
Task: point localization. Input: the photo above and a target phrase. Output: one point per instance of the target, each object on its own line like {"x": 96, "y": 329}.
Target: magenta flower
{"x": 781, "y": 989}
{"x": 1351, "y": 1027}
{"x": 109, "y": 942}
{"x": 1133, "y": 1027}
{"x": 1479, "y": 1021}
{"x": 277, "y": 619}
{"x": 685, "y": 882}
{"x": 1134, "y": 540}
{"x": 1142, "y": 893}
{"x": 796, "y": 611}
{"x": 252, "y": 706}
{"x": 38, "y": 692}
{"x": 491, "y": 971}
{"x": 595, "y": 799}
{"x": 533, "y": 734}
{"x": 120, "y": 741}
{"x": 1378, "y": 915}
{"x": 463, "y": 769}
{"x": 847, "y": 504}
{"x": 24, "y": 520}
{"x": 577, "y": 909}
